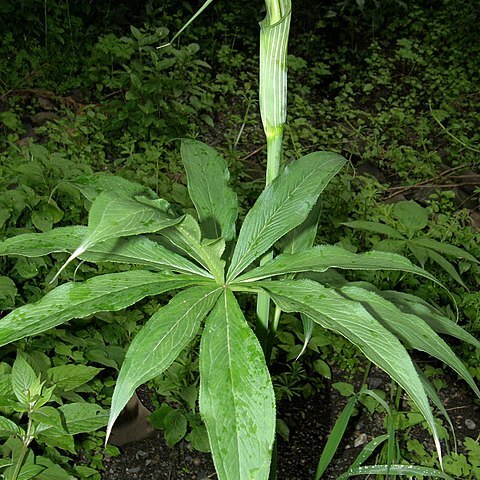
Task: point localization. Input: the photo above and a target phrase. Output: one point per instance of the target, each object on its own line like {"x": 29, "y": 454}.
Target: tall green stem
{"x": 274, "y": 30}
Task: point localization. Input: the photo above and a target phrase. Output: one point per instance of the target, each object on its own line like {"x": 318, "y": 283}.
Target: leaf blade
{"x": 110, "y": 292}
{"x": 236, "y": 394}
{"x": 412, "y": 329}
{"x": 323, "y": 257}
{"x": 207, "y": 180}
{"x": 284, "y": 204}
{"x": 351, "y": 320}
{"x": 160, "y": 341}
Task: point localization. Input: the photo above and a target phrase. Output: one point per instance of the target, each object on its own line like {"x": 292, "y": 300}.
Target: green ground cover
{"x": 83, "y": 88}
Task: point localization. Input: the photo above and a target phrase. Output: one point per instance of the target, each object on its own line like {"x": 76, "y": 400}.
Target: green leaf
{"x": 407, "y": 470}
{"x": 93, "y": 185}
{"x": 8, "y": 428}
{"x": 23, "y": 379}
{"x": 435, "y": 399}
{"x": 375, "y": 227}
{"x": 109, "y": 292}
{"x": 413, "y": 216}
{"x": 323, "y": 257}
{"x": 8, "y": 291}
{"x": 69, "y": 377}
{"x": 284, "y": 204}
{"x": 115, "y": 216}
{"x": 83, "y": 417}
{"x": 335, "y": 438}
{"x": 63, "y": 239}
{"x": 49, "y": 422}
{"x": 237, "y": 402}
{"x": 207, "y": 177}
{"x": 30, "y": 471}
{"x": 447, "y": 266}
{"x": 138, "y": 250}
{"x": 350, "y": 319}
{"x": 303, "y": 237}
{"x": 307, "y": 331}
{"x": 198, "y": 437}
{"x": 411, "y": 329}
{"x": 445, "y": 248}
{"x": 411, "y": 304}
{"x": 160, "y": 341}
{"x": 175, "y": 425}
{"x": 52, "y": 470}
{"x": 365, "y": 454}
{"x": 186, "y": 237}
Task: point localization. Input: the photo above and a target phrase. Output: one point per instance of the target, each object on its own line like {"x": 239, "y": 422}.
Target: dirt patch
{"x": 309, "y": 421}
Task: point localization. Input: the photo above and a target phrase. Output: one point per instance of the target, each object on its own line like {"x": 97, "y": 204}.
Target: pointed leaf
{"x": 447, "y": 266}
{"x": 137, "y": 250}
{"x": 63, "y": 239}
{"x": 93, "y": 185}
{"x": 375, "y": 227}
{"x": 335, "y": 437}
{"x": 411, "y": 329}
{"x": 237, "y": 402}
{"x": 365, "y": 454}
{"x": 307, "y": 331}
{"x": 207, "y": 177}
{"x": 284, "y": 204}
{"x": 435, "y": 399}
{"x": 114, "y": 216}
{"x": 186, "y": 237}
{"x": 444, "y": 248}
{"x": 407, "y": 470}
{"x": 303, "y": 237}
{"x": 323, "y": 257}
{"x": 69, "y": 377}
{"x": 83, "y": 417}
{"x": 439, "y": 323}
{"x": 23, "y": 379}
{"x": 109, "y": 292}
{"x": 160, "y": 341}
{"x": 9, "y": 428}
{"x": 350, "y": 319}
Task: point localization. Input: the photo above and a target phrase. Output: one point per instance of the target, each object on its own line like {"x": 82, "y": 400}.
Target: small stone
{"x": 360, "y": 440}
{"x": 197, "y": 461}
{"x": 133, "y": 470}
{"x": 374, "y": 382}
{"x": 470, "y": 424}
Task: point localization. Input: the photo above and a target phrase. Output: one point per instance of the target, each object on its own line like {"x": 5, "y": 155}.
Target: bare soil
{"x": 310, "y": 421}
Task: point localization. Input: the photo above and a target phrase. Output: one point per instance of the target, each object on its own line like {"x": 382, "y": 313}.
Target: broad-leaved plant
{"x": 207, "y": 261}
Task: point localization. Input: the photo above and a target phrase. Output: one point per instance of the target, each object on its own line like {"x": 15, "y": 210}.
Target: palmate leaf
{"x": 160, "y": 341}
{"x": 207, "y": 179}
{"x": 284, "y": 204}
{"x": 236, "y": 400}
{"x": 411, "y": 329}
{"x": 138, "y": 250}
{"x": 323, "y": 257}
{"x": 109, "y": 292}
{"x": 350, "y": 319}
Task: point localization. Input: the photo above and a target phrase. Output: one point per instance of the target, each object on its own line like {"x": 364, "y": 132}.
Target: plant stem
{"x": 26, "y": 440}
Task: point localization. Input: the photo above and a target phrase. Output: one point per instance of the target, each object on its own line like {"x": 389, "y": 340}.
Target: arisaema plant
{"x": 206, "y": 260}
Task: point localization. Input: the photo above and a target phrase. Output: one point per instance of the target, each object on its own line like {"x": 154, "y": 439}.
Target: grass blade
{"x": 335, "y": 437}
